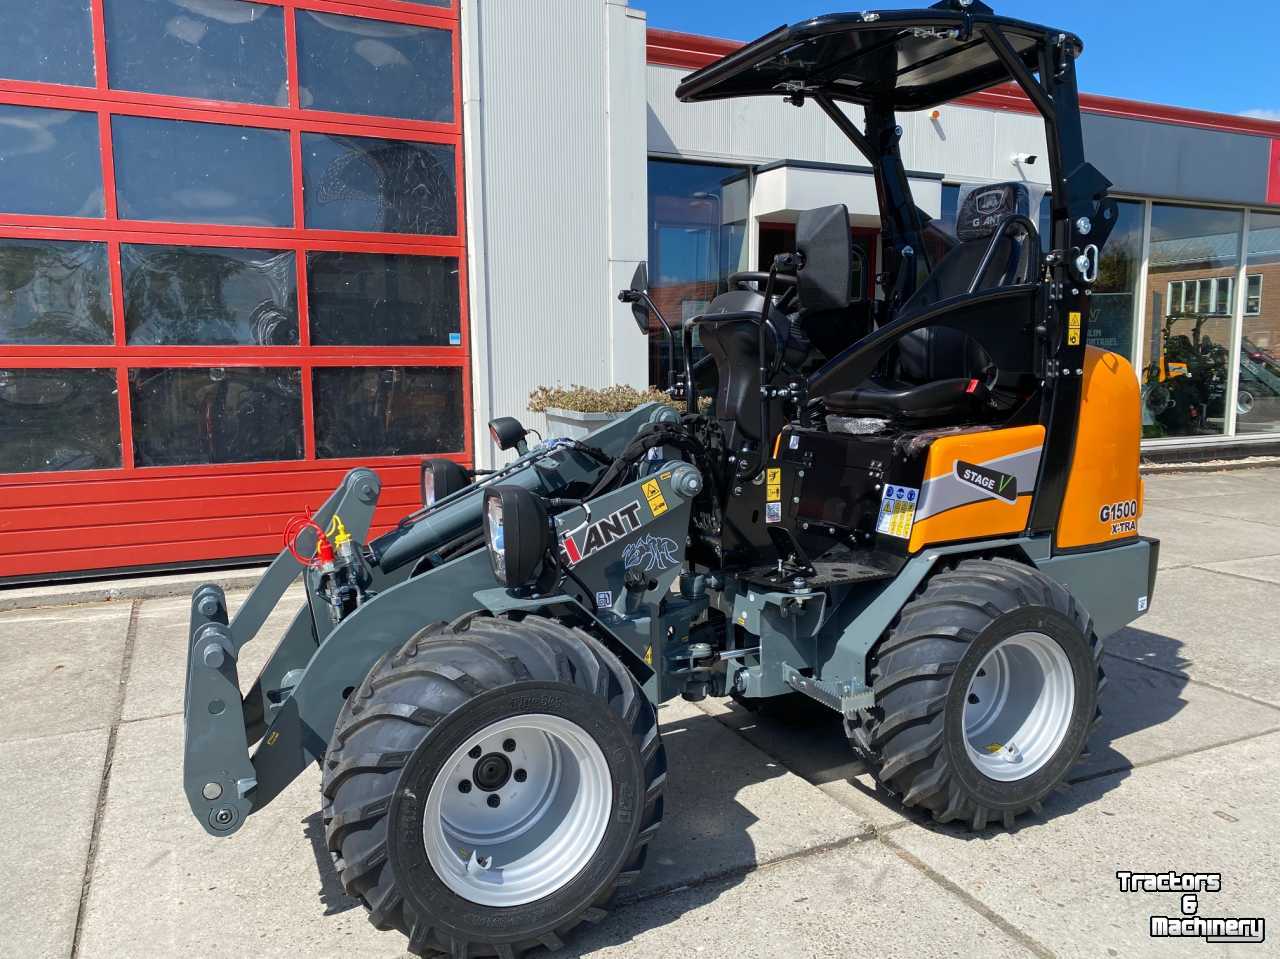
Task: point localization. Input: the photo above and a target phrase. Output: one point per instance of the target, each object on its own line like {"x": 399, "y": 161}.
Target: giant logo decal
{"x": 577, "y": 546}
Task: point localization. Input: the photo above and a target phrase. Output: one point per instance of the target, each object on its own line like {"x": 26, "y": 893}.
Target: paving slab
{"x": 1231, "y": 483}
{"x": 1213, "y": 811}
{"x": 158, "y": 671}
{"x": 160, "y": 880}
{"x": 859, "y": 900}
{"x": 729, "y": 807}
{"x": 1250, "y": 504}
{"x": 50, "y": 788}
{"x": 1264, "y": 568}
{"x": 1148, "y": 715}
{"x": 1188, "y": 537}
{"x": 61, "y": 669}
{"x": 1212, "y": 627}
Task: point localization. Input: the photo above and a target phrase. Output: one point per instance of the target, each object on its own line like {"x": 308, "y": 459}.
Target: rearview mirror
{"x": 825, "y": 281}
{"x": 639, "y": 308}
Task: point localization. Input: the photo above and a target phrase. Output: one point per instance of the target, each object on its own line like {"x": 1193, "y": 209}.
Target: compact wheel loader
{"x": 919, "y": 509}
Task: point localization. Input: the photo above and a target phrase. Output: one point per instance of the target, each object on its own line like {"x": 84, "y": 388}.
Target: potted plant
{"x": 574, "y": 411}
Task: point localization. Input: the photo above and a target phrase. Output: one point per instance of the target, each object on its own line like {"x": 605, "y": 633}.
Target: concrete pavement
{"x": 775, "y": 843}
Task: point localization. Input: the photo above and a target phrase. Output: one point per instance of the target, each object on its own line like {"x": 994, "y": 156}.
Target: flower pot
{"x": 572, "y": 425}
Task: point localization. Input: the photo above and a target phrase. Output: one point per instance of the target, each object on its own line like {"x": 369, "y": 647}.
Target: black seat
{"x": 936, "y": 373}
{"x": 729, "y": 331}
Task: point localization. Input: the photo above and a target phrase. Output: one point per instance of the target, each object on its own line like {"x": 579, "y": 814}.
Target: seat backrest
{"x": 938, "y": 352}
{"x": 734, "y": 345}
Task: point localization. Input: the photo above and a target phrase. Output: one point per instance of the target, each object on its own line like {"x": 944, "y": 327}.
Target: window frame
{"x": 293, "y": 119}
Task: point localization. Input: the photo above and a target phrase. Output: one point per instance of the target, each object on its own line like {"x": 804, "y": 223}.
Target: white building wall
{"x": 964, "y": 144}
{"x": 554, "y": 125}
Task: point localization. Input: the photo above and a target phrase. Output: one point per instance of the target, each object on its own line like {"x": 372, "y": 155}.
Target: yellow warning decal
{"x": 648, "y": 656}
{"x": 1073, "y": 328}
{"x": 666, "y": 475}
{"x": 653, "y": 493}
{"x": 773, "y": 483}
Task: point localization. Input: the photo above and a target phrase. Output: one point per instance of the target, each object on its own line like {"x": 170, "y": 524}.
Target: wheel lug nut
{"x": 464, "y": 786}
{"x": 494, "y": 801}
{"x": 509, "y": 745}
{"x": 521, "y": 775}
{"x": 475, "y": 752}
{"x": 973, "y": 699}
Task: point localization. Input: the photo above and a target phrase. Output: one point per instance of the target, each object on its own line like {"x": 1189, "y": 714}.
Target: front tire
{"x": 490, "y": 785}
{"x": 986, "y": 691}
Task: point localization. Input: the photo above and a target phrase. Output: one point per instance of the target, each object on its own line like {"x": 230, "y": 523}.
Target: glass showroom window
{"x": 1113, "y": 311}
{"x": 1258, "y": 386}
{"x": 1189, "y": 319}
{"x": 695, "y": 242}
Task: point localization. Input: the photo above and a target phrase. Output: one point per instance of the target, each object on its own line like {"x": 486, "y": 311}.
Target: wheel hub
{"x": 517, "y": 810}
{"x": 1018, "y": 706}
{"x": 492, "y": 772}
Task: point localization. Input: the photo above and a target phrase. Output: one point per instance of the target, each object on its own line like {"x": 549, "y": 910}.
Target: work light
{"x": 518, "y": 535}
{"x": 441, "y": 478}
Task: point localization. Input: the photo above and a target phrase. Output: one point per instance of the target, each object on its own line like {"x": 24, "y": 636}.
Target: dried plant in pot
{"x": 574, "y": 411}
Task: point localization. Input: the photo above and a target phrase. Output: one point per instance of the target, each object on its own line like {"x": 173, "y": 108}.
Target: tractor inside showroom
{"x": 918, "y": 508}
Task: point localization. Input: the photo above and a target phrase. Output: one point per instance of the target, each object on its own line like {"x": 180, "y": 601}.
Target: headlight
{"x": 440, "y": 479}
{"x": 518, "y": 535}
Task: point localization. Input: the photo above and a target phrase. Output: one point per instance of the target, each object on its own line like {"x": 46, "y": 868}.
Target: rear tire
{"x": 986, "y": 691}
{"x": 443, "y": 862}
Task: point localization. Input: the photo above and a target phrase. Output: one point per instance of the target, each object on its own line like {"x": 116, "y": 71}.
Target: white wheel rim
{"x": 1018, "y": 706}
{"x": 546, "y": 825}
{"x": 1244, "y": 403}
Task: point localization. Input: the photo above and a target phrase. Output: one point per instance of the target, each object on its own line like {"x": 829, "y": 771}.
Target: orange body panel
{"x": 953, "y": 508}
{"x": 1104, "y": 491}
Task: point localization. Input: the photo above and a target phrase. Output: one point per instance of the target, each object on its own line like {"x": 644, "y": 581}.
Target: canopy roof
{"x": 906, "y": 59}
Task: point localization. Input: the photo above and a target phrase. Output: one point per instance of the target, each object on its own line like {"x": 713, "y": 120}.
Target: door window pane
{"x": 47, "y": 42}
{"x": 1111, "y": 310}
{"x": 54, "y": 292}
{"x": 383, "y": 186}
{"x": 209, "y": 49}
{"x": 1187, "y": 351}
{"x": 353, "y": 65}
{"x": 1258, "y": 390}
{"x": 387, "y": 411}
{"x": 693, "y": 246}
{"x": 58, "y": 420}
{"x": 209, "y": 297}
{"x": 383, "y": 299}
{"x": 184, "y": 172}
{"x": 34, "y": 142}
{"x": 223, "y": 415}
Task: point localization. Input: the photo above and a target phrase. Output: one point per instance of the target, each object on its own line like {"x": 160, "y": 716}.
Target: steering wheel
{"x": 760, "y": 279}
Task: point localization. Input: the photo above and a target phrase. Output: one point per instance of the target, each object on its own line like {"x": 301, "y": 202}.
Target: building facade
{"x": 245, "y": 246}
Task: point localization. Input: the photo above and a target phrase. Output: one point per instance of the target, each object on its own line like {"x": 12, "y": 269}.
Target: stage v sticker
{"x": 995, "y": 484}
{"x": 898, "y": 511}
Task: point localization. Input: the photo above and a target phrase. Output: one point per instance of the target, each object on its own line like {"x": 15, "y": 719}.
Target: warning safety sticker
{"x": 898, "y": 511}
{"x": 653, "y": 493}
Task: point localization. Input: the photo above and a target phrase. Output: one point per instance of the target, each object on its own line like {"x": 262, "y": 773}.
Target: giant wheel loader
{"x": 919, "y": 510}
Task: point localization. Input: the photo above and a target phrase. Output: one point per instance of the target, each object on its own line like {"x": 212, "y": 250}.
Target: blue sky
{"x": 1213, "y": 56}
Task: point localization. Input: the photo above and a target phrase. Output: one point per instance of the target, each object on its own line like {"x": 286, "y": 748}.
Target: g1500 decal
{"x": 992, "y": 482}
{"x": 575, "y": 547}
{"x": 1122, "y": 516}
{"x": 650, "y": 553}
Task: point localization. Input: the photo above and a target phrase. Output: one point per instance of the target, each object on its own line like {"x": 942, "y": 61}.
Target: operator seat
{"x": 937, "y": 374}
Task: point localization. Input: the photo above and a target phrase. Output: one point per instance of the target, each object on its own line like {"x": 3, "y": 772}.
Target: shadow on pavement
{"x": 332, "y": 896}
